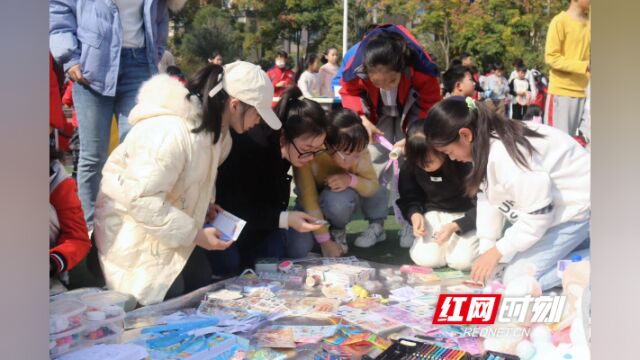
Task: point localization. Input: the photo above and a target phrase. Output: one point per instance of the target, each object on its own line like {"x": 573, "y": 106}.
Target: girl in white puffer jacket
{"x": 158, "y": 185}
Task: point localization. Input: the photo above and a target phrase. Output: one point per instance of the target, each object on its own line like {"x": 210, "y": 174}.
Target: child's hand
{"x": 485, "y": 265}
{"x": 338, "y": 182}
{"x": 417, "y": 221}
{"x": 302, "y": 222}
{"x": 209, "y": 239}
{"x": 445, "y": 233}
{"x": 372, "y": 130}
{"x": 75, "y": 74}
{"x": 331, "y": 249}
{"x": 400, "y": 145}
{"x": 212, "y": 212}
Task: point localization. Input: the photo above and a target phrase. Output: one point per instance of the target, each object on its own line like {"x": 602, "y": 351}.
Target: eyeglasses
{"x": 308, "y": 154}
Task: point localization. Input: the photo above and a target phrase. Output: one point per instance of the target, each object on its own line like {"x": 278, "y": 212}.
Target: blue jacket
{"x": 347, "y": 56}
{"x": 89, "y": 33}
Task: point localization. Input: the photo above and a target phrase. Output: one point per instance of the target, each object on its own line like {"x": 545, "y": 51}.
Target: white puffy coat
{"x": 155, "y": 191}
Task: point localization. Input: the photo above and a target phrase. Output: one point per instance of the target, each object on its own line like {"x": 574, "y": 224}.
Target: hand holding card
{"x": 229, "y": 225}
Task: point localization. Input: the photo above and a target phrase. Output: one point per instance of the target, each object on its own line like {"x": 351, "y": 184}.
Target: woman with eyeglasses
{"x": 254, "y": 184}
{"x": 335, "y": 184}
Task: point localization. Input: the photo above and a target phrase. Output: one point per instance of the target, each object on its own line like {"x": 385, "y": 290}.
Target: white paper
{"x": 108, "y": 352}
{"x": 229, "y": 225}
{"x": 405, "y": 294}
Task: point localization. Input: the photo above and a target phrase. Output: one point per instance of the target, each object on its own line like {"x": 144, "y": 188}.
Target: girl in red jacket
{"x": 390, "y": 82}
{"x": 68, "y": 235}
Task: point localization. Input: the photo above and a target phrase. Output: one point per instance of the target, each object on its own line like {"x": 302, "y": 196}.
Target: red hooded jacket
{"x": 420, "y": 81}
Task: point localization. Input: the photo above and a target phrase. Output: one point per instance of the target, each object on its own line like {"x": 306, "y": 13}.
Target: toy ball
{"x": 525, "y": 350}
{"x": 540, "y": 334}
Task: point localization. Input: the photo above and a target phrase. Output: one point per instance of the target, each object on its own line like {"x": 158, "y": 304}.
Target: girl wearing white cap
{"x": 158, "y": 185}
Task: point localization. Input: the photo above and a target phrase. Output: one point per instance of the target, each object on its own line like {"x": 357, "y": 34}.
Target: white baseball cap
{"x": 251, "y": 85}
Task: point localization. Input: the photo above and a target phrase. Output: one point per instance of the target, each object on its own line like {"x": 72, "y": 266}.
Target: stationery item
{"x": 338, "y": 274}
{"x": 405, "y": 294}
{"x": 309, "y": 334}
{"x": 276, "y": 338}
{"x": 312, "y": 307}
{"x": 417, "y": 278}
{"x": 415, "y": 269}
{"x": 472, "y": 345}
{"x": 473, "y": 284}
{"x": 494, "y": 355}
{"x": 267, "y": 265}
{"x": 463, "y": 289}
{"x": 405, "y": 349}
{"x": 215, "y": 346}
{"x": 264, "y": 354}
{"x": 229, "y": 225}
{"x": 450, "y": 274}
{"x": 109, "y": 352}
{"x": 369, "y": 321}
{"x": 223, "y": 294}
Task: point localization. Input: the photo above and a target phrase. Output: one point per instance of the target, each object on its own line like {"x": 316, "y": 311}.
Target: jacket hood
{"x": 176, "y": 5}
{"x": 163, "y": 95}
{"x": 422, "y": 60}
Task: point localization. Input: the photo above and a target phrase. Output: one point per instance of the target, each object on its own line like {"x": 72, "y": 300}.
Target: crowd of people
{"x": 489, "y": 173}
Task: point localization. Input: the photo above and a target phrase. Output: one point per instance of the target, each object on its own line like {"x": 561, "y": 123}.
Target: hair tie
{"x": 216, "y": 89}
{"x": 471, "y": 104}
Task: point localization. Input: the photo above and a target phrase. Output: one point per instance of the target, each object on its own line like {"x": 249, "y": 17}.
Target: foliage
{"x": 490, "y": 30}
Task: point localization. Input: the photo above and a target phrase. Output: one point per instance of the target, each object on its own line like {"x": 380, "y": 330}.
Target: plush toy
{"x": 426, "y": 253}
{"x": 519, "y": 281}
{"x": 575, "y": 283}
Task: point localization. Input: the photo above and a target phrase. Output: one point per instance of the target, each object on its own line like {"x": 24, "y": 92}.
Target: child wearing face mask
{"x": 280, "y": 76}
{"x": 432, "y": 199}
{"x": 336, "y": 183}
{"x": 390, "y": 82}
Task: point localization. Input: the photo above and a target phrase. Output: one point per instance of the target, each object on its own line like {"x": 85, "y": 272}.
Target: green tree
{"x": 212, "y": 29}
{"x": 491, "y": 30}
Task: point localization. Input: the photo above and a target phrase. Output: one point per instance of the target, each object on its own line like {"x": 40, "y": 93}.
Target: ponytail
{"x": 200, "y": 84}
{"x": 447, "y": 117}
{"x": 300, "y": 116}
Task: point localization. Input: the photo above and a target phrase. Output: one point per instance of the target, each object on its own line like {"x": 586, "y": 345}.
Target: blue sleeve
{"x": 348, "y": 55}
{"x": 63, "y": 25}
{"x": 162, "y": 29}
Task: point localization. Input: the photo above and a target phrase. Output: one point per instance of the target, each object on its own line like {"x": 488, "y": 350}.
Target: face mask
{"x": 280, "y": 63}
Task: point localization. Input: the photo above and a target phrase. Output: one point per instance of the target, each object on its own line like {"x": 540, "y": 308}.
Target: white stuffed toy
{"x": 519, "y": 281}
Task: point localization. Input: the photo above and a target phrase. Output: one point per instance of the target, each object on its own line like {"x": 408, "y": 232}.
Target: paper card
{"x": 450, "y": 274}
{"x": 472, "y": 345}
{"x": 229, "y": 225}
{"x": 405, "y": 294}
{"x": 223, "y": 294}
{"x": 313, "y": 307}
{"x": 276, "y": 338}
{"x": 309, "y": 334}
{"x": 109, "y": 352}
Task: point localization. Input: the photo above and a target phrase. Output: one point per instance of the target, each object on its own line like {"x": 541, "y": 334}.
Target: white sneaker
{"x": 374, "y": 234}
{"x": 406, "y": 236}
{"x": 340, "y": 237}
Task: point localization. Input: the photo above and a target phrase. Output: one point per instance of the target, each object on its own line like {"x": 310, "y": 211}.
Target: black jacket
{"x": 441, "y": 190}
{"x": 253, "y": 183}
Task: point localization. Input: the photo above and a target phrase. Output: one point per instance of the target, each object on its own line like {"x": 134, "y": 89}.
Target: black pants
{"x": 518, "y": 111}
{"x": 195, "y": 274}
